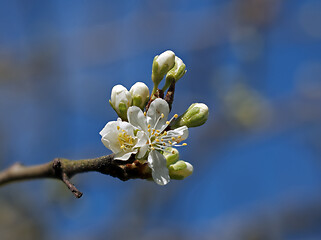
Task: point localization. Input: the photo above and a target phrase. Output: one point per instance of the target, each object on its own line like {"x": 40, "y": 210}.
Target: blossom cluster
{"x": 143, "y": 130}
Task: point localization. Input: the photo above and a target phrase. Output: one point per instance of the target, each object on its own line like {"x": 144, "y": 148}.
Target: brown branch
{"x": 64, "y": 169}
{"x": 169, "y": 98}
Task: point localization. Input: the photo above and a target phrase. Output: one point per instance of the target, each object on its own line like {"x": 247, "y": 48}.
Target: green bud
{"x": 120, "y": 100}
{"x": 176, "y": 73}
{"x": 161, "y": 65}
{"x": 171, "y": 155}
{"x": 196, "y": 115}
{"x": 180, "y": 170}
{"x": 140, "y": 94}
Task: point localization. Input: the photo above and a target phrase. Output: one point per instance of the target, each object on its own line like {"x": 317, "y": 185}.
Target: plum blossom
{"x": 119, "y": 137}
{"x": 152, "y": 137}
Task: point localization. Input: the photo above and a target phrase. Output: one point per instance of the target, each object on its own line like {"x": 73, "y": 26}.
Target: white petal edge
{"x": 142, "y": 139}
{"x": 157, "y": 162}
{"x": 181, "y": 131}
{"x": 124, "y": 155}
{"x": 157, "y": 108}
{"x": 142, "y": 151}
{"x": 137, "y": 118}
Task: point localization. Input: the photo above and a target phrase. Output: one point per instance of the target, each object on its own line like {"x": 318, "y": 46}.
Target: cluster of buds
{"x": 121, "y": 99}
{"x": 142, "y": 130}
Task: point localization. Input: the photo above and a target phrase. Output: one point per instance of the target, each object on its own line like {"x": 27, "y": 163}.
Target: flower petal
{"x": 137, "y": 118}
{"x": 129, "y": 129}
{"x": 108, "y": 127}
{"x": 157, "y": 162}
{"x": 142, "y": 151}
{"x": 156, "y": 109}
{"x": 142, "y": 139}
{"x": 124, "y": 155}
{"x": 181, "y": 131}
{"x": 110, "y": 142}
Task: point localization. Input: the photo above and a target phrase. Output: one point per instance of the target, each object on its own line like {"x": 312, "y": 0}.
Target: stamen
{"x": 158, "y": 120}
{"x": 184, "y": 144}
{"x": 162, "y": 115}
{"x": 122, "y": 147}
{"x": 175, "y": 116}
{"x": 173, "y": 152}
{"x": 173, "y": 138}
{"x": 157, "y": 131}
{"x": 157, "y": 140}
{"x": 160, "y": 149}
{"x": 152, "y": 148}
{"x": 118, "y": 127}
{"x": 170, "y": 142}
{"x": 167, "y": 122}
{"x": 148, "y": 126}
{"x": 145, "y": 114}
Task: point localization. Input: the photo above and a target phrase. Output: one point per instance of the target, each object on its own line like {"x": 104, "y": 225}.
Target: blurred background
{"x": 257, "y": 161}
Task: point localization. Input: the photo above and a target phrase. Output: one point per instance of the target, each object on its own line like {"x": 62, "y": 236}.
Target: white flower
{"x": 140, "y": 94}
{"x": 120, "y": 100}
{"x": 119, "y": 137}
{"x": 152, "y": 138}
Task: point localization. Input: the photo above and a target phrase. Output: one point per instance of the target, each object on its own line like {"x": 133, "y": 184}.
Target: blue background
{"x": 257, "y": 161}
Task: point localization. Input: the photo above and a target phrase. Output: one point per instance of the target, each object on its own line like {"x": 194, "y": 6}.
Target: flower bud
{"x": 161, "y": 65}
{"x": 175, "y": 73}
{"x": 171, "y": 155}
{"x": 120, "y": 100}
{"x": 196, "y": 115}
{"x": 180, "y": 170}
{"x": 140, "y": 94}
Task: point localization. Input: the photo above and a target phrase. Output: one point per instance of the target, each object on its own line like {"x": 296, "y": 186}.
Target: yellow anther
{"x": 148, "y": 130}
{"x": 164, "y": 144}
{"x": 165, "y": 133}
{"x": 175, "y": 116}
{"x": 162, "y": 115}
{"x": 156, "y": 134}
{"x": 122, "y": 147}
{"x": 184, "y": 144}
{"x": 173, "y": 138}
{"x": 162, "y": 140}
{"x": 157, "y": 140}
{"x": 123, "y": 130}
{"x": 173, "y": 152}
{"x": 148, "y": 126}
{"x": 118, "y": 127}
{"x": 157, "y": 131}
{"x": 145, "y": 114}
{"x": 167, "y": 122}
{"x": 179, "y": 137}
{"x": 170, "y": 142}
{"x": 152, "y": 148}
